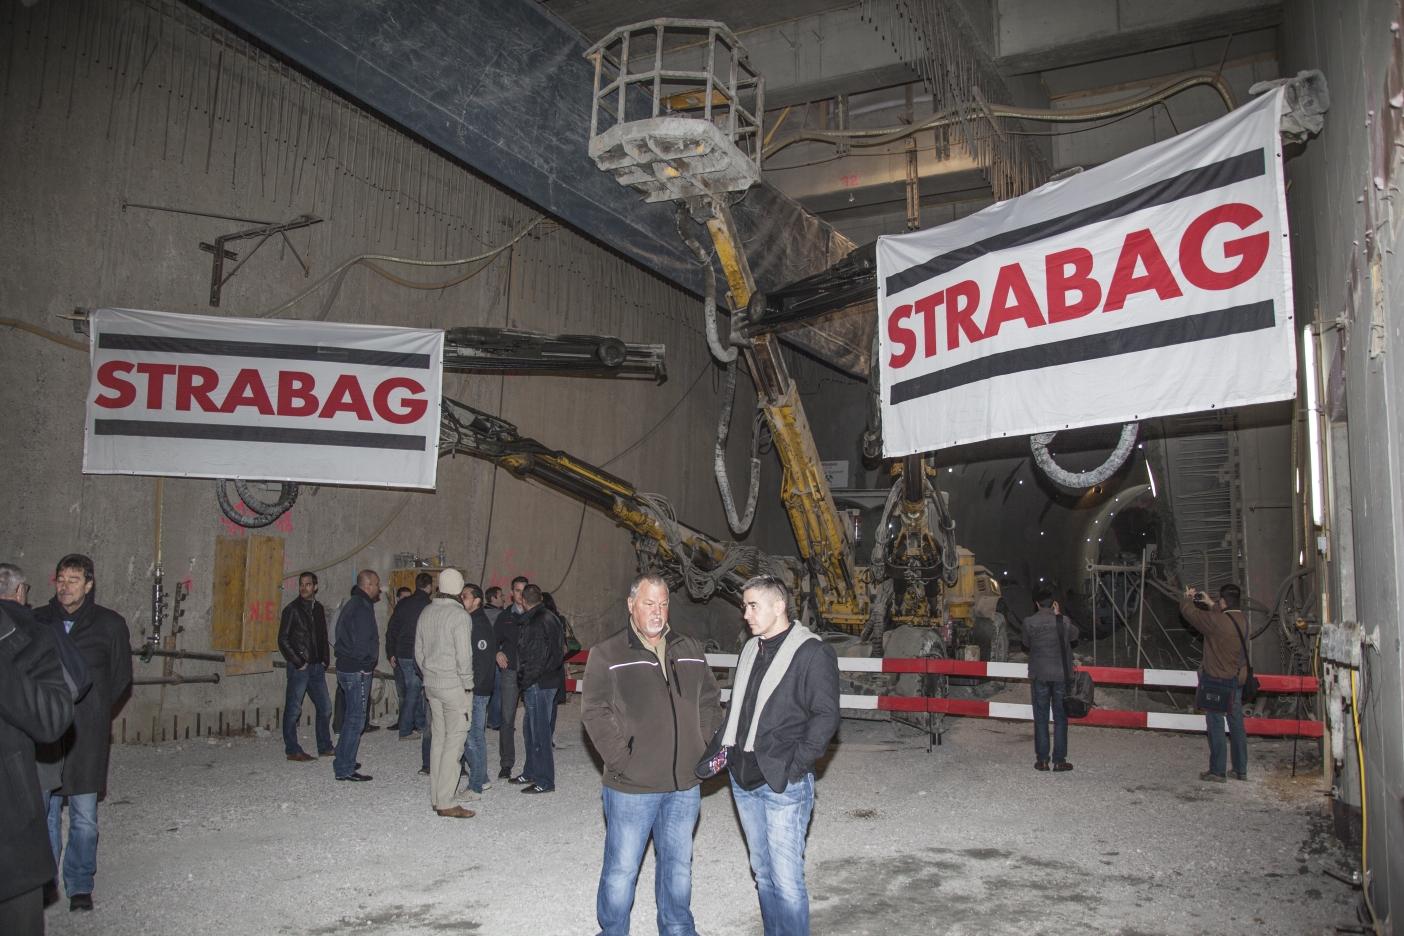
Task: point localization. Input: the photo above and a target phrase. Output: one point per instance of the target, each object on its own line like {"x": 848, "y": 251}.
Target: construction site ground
{"x": 226, "y": 836}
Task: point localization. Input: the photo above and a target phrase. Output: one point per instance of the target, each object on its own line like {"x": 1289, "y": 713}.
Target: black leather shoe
{"x": 536, "y": 789}
{"x": 519, "y": 781}
{"x": 424, "y": 771}
{"x": 504, "y": 774}
{"x": 1040, "y": 765}
{"x": 357, "y": 778}
{"x": 369, "y": 728}
{"x": 80, "y": 902}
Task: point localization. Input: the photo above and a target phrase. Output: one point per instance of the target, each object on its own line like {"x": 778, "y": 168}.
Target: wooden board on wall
{"x": 404, "y": 578}
{"x": 263, "y": 593}
{"x": 227, "y": 612}
{"x": 239, "y": 663}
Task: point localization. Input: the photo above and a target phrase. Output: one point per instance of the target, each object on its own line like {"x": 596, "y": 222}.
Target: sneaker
{"x": 1062, "y": 768}
{"x": 1210, "y": 777}
{"x": 1040, "y": 765}
{"x": 536, "y": 788}
{"x": 468, "y": 796}
{"x": 301, "y": 757}
{"x": 486, "y": 787}
{"x": 456, "y": 812}
{"x": 424, "y": 771}
{"x": 519, "y": 781}
{"x": 1238, "y": 776}
{"x": 356, "y": 778}
{"x": 80, "y": 902}
{"x": 412, "y": 736}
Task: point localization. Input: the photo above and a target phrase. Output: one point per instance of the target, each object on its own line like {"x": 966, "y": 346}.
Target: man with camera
{"x": 1225, "y": 631}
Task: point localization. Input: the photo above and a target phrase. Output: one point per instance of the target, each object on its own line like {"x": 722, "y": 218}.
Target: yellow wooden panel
{"x": 227, "y": 613}
{"x": 263, "y": 593}
{"x": 404, "y": 578}
{"x": 240, "y": 663}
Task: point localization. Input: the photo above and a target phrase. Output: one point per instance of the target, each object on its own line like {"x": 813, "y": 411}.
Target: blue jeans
{"x": 311, "y": 680}
{"x": 80, "y": 858}
{"x": 775, "y": 825}
{"x": 356, "y": 687}
{"x": 494, "y": 710}
{"x": 629, "y": 819}
{"x": 414, "y": 716}
{"x": 1044, "y": 692}
{"x": 475, "y": 748}
{"x": 399, "y": 689}
{"x": 1238, "y": 738}
{"x": 540, "y": 766}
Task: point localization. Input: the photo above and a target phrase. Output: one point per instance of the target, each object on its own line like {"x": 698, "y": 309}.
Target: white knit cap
{"x": 450, "y": 582}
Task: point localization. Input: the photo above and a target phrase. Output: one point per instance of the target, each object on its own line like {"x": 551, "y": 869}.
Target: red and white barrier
{"x": 1103, "y": 675}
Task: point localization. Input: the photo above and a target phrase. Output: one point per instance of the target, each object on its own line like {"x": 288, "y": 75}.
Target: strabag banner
{"x": 319, "y": 402}
{"x": 1155, "y": 284}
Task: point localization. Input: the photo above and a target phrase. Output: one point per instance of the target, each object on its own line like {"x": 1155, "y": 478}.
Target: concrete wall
{"x": 1344, "y": 188}
{"x": 113, "y": 102}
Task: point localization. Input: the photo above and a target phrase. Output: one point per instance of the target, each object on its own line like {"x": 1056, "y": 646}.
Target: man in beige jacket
{"x": 443, "y": 650}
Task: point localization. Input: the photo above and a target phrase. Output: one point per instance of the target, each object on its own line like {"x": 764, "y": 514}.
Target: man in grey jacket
{"x": 443, "y": 652}
{"x": 1048, "y": 677}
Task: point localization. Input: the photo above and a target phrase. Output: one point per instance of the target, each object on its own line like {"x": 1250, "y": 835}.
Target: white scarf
{"x": 769, "y": 681}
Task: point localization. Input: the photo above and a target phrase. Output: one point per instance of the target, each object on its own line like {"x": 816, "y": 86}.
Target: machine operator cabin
{"x": 598, "y": 466}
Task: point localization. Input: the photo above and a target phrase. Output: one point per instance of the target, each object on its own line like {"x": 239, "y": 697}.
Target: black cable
{"x": 705, "y": 368}
{"x": 576, "y": 550}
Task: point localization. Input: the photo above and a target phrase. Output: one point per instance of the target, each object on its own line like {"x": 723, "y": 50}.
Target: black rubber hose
{"x": 1282, "y": 594}
{"x": 256, "y": 521}
{"x": 260, "y": 506}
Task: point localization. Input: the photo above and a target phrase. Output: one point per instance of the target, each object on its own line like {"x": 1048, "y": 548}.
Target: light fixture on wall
{"x": 1313, "y": 423}
{"x": 1150, "y": 474}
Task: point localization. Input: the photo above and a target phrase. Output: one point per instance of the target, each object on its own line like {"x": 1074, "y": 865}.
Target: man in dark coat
{"x": 36, "y": 705}
{"x": 102, "y": 636}
{"x": 357, "y": 651}
{"x": 302, "y": 639}
{"x": 400, "y": 631}
{"x": 484, "y": 670}
{"x": 540, "y": 645}
{"x": 1049, "y": 636}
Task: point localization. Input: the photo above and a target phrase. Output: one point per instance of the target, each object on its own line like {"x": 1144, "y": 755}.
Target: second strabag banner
{"x": 1155, "y": 284}
{"x": 319, "y": 402}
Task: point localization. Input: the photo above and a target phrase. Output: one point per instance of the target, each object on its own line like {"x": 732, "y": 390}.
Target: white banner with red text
{"x": 318, "y": 402}
{"x": 1155, "y": 284}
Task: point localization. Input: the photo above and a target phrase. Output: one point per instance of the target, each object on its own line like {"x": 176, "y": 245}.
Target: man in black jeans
{"x": 399, "y": 650}
{"x": 401, "y": 594}
{"x": 1048, "y": 676}
{"x": 506, "y": 629}
{"x": 302, "y": 639}
{"x": 540, "y": 643}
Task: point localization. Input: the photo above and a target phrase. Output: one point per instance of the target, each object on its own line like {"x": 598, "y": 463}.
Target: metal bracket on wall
{"x": 218, "y": 277}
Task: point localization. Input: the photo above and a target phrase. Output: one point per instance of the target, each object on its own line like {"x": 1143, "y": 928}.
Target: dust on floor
{"x": 229, "y": 837}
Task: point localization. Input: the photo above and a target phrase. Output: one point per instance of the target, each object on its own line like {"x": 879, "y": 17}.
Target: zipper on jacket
{"x": 674, "y": 706}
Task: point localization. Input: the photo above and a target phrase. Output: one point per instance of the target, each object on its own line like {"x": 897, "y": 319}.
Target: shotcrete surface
{"x": 226, "y": 836}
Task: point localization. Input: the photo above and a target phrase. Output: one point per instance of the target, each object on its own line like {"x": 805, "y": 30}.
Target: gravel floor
{"x": 228, "y": 837}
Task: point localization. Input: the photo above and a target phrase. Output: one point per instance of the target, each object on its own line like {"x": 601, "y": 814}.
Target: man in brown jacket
{"x": 651, "y": 705}
{"x": 1225, "y": 631}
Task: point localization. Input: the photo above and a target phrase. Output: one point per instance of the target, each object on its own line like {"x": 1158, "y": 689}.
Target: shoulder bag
{"x": 1079, "y": 696}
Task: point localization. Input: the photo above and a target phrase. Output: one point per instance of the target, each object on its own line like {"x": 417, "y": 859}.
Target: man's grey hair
{"x": 769, "y": 585}
{"x": 11, "y": 578}
{"x": 652, "y": 578}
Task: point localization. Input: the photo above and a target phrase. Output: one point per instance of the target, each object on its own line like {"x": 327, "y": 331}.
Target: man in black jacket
{"x": 36, "y": 705}
{"x": 1050, "y": 660}
{"x": 302, "y": 639}
{"x": 784, "y": 709}
{"x": 484, "y": 669}
{"x": 102, "y": 636}
{"x": 357, "y": 650}
{"x": 506, "y": 629}
{"x": 540, "y": 646}
{"x": 399, "y": 650}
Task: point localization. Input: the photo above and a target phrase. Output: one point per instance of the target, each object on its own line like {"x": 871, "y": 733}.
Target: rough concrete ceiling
{"x": 595, "y": 18}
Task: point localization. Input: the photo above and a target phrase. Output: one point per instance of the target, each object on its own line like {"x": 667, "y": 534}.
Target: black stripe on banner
{"x": 220, "y": 433}
{"x": 258, "y": 349}
{"x": 1237, "y": 320}
{"x": 1205, "y": 179}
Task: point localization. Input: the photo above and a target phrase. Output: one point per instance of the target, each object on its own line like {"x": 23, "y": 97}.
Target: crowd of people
{"x": 464, "y": 660}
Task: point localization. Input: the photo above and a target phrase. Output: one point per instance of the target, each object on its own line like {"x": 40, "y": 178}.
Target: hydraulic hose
{"x": 1364, "y": 824}
{"x": 740, "y": 524}
{"x": 883, "y": 135}
{"x": 709, "y": 298}
{"x": 1083, "y": 479}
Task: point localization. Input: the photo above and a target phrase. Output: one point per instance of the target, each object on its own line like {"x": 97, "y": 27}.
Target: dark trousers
{"x": 399, "y": 691}
{"x": 1046, "y": 693}
{"x": 23, "y": 914}
{"x": 310, "y": 680}
{"x": 540, "y": 767}
{"x": 507, "y": 735}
